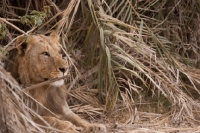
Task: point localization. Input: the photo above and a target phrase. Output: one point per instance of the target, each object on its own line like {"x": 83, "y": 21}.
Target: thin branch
{"x": 18, "y": 8}
{"x": 88, "y": 73}
{"x": 84, "y": 75}
{"x": 29, "y": 3}
{"x": 15, "y": 27}
{"x": 11, "y": 42}
{"x": 14, "y": 20}
{"x": 44, "y": 83}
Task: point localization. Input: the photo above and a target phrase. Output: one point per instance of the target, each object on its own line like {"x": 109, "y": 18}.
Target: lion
{"x": 38, "y": 60}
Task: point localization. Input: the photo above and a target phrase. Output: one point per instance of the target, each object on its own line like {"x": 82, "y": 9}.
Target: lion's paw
{"x": 71, "y": 128}
{"x": 95, "y": 128}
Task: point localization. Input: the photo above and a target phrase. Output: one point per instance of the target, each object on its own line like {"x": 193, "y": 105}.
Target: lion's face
{"x": 40, "y": 59}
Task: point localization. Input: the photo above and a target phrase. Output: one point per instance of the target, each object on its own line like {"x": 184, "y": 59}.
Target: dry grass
{"x": 136, "y": 61}
{"x": 14, "y": 113}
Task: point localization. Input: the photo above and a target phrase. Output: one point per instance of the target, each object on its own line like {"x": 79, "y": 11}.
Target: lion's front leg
{"x": 88, "y": 127}
{"x": 58, "y": 124}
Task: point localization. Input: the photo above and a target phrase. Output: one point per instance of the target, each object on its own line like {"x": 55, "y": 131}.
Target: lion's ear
{"x": 54, "y": 36}
{"x": 22, "y": 44}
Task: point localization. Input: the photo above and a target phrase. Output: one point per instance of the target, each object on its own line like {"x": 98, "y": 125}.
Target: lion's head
{"x": 39, "y": 59}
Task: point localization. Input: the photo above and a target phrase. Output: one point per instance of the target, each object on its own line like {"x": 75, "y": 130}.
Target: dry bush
{"x": 127, "y": 57}
{"x": 14, "y": 113}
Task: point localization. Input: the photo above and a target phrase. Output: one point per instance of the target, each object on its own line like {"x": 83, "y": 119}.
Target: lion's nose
{"x": 63, "y": 69}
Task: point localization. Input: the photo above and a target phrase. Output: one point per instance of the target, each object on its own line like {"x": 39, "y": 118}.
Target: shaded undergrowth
{"x": 126, "y": 56}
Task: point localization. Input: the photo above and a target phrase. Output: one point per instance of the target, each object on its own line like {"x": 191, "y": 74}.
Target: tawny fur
{"x": 39, "y": 60}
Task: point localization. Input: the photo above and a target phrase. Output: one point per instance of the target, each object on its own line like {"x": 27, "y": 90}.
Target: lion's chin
{"x": 58, "y": 83}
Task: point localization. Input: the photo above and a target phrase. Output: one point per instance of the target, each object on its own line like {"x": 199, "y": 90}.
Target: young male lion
{"x": 39, "y": 60}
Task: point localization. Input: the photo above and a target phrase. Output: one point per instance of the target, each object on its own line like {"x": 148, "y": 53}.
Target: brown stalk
{"x": 12, "y": 25}
{"x": 44, "y": 83}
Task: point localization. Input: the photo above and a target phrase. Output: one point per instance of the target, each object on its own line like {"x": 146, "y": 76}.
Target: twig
{"x": 54, "y": 5}
{"x": 15, "y": 27}
{"x": 44, "y": 83}
{"x": 18, "y": 8}
{"x": 12, "y": 42}
{"x": 18, "y": 37}
{"x": 14, "y": 20}
{"x": 86, "y": 74}
{"x": 168, "y": 14}
{"x": 29, "y": 2}
{"x": 51, "y": 19}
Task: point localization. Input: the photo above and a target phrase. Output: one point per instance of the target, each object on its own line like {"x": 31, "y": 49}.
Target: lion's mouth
{"x": 53, "y": 76}
{"x": 45, "y": 79}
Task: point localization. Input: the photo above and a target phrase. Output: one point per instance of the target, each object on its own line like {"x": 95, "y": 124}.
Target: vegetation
{"x": 134, "y": 60}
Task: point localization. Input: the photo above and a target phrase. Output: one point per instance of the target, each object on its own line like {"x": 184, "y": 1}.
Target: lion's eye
{"x": 46, "y": 53}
